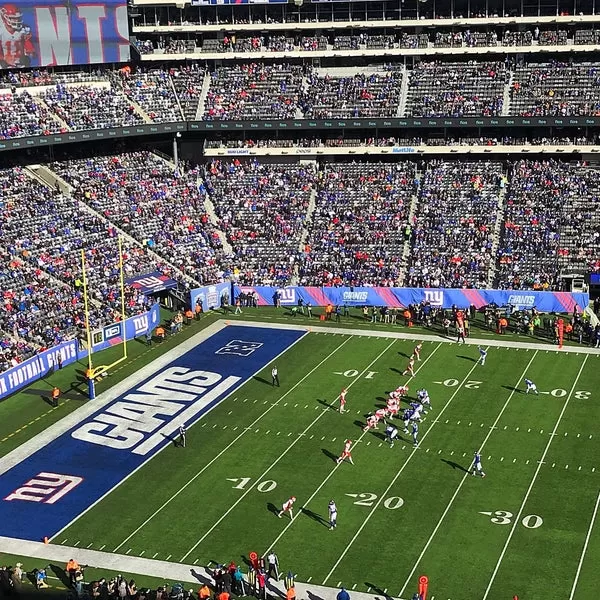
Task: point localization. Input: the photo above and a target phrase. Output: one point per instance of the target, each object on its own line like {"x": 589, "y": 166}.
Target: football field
{"x": 527, "y": 528}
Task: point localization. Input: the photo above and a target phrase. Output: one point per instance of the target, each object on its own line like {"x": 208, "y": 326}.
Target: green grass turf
{"x": 25, "y": 413}
{"x": 402, "y": 512}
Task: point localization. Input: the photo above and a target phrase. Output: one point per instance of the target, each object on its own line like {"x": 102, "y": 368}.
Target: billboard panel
{"x": 53, "y": 32}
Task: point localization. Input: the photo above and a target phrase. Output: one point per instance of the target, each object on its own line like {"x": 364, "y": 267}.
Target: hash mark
{"x": 155, "y": 555}
{"x": 306, "y": 406}
{"x": 76, "y": 543}
{"x": 128, "y": 551}
{"x": 90, "y": 544}
{"x": 229, "y": 412}
{"x": 168, "y": 557}
{"x": 196, "y": 561}
{"x": 64, "y": 540}
{"x": 103, "y": 546}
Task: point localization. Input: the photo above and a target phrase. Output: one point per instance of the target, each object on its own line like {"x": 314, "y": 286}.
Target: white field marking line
{"x": 243, "y": 432}
{"x": 389, "y": 487}
{"x": 517, "y": 518}
{"x": 585, "y": 545}
{"x": 487, "y": 437}
{"x": 335, "y": 468}
{"x": 298, "y": 438}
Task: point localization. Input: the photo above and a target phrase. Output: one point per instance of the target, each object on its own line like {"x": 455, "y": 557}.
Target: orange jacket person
{"x": 72, "y": 568}
{"x": 55, "y": 395}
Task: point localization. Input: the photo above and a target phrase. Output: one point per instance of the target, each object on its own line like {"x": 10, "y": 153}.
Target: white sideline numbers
{"x": 354, "y": 373}
{"x": 368, "y": 499}
{"x": 504, "y": 517}
{"x": 471, "y": 384}
{"x": 268, "y": 485}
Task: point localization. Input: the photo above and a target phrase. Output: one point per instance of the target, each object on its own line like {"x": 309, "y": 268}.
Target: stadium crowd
{"x": 42, "y": 102}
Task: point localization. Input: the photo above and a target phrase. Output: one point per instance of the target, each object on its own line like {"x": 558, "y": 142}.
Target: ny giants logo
{"x": 434, "y": 297}
{"x": 47, "y": 488}
{"x": 287, "y": 296}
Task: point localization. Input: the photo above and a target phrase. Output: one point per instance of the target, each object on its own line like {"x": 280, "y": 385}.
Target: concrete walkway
{"x": 169, "y": 571}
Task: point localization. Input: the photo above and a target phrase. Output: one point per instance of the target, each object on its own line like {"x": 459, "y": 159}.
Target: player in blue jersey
{"x": 415, "y": 434}
{"x": 482, "y": 355}
{"x": 391, "y": 435}
{"x": 477, "y": 468}
{"x": 423, "y": 397}
{"x": 531, "y": 387}
{"x": 406, "y": 415}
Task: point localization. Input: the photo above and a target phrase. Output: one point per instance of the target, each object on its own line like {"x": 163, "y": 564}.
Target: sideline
{"x": 497, "y": 343}
{"x": 169, "y": 571}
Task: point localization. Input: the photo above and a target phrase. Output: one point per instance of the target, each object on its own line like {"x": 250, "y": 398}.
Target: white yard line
{"x": 517, "y": 518}
{"x": 465, "y": 476}
{"x": 497, "y": 342}
{"x": 276, "y": 461}
{"x": 585, "y": 545}
{"x": 335, "y": 468}
{"x": 389, "y": 487}
{"x": 243, "y": 432}
{"x": 164, "y": 361}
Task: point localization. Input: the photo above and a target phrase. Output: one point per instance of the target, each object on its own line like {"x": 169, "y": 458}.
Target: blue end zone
{"x": 45, "y": 492}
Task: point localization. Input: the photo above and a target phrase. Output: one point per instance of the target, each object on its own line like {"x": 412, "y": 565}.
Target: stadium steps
{"x": 49, "y": 178}
{"x": 181, "y": 116}
{"x": 403, "y": 93}
{"x": 414, "y": 202}
{"x": 506, "y": 97}
{"x": 498, "y": 231}
{"x": 203, "y": 94}
{"x": 40, "y": 102}
{"x": 212, "y": 215}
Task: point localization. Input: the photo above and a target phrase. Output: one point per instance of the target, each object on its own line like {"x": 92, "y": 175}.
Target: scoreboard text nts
{"x": 54, "y": 32}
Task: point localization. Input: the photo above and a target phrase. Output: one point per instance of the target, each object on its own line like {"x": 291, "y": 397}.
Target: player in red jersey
{"x": 410, "y": 367}
{"x": 392, "y": 407}
{"x": 346, "y": 453}
{"x": 343, "y": 400}
{"x": 288, "y": 507}
{"x": 16, "y": 46}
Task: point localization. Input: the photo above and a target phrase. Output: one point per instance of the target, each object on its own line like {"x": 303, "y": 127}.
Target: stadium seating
{"x": 356, "y": 235}
{"x": 454, "y": 225}
{"x": 442, "y": 89}
{"x": 164, "y": 211}
{"x": 262, "y": 209}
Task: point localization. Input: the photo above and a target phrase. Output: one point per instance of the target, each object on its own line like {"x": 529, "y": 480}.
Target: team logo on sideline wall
{"x": 46, "y": 488}
{"x": 434, "y": 297}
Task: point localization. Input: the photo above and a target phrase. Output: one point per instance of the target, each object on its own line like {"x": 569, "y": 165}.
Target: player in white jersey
{"x": 372, "y": 421}
{"x": 391, "y": 435}
{"x": 423, "y": 398}
{"x": 392, "y": 407}
{"x": 477, "y": 468}
{"x": 346, "y": 453}
{"x": 406, "y": 415}
{"x": 417, "y": 410}
{"x": 410, "y": 367}
{"x": 531, "y": 387}
{"x": 332, "y": 515}
{"x": 381, "y": 413}
{"x": 415, "y": 434}
{"x": 417, "y": 351}
{"x": 288, "y": 507}
{"x": 343, "y": 400}
{"x": 16, "y": 46}
{"x": 482, "y": 355}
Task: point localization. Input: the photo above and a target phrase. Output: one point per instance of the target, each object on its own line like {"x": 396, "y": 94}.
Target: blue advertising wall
{"x": 42, "y": 494}
{"x": 55, "y": 32}
{"x": 40, "y": 365}
{"x": 402, "y": 297}
{"x": 210, "y": 295}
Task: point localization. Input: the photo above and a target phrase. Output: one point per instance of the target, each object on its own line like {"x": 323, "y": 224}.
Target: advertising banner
{"x": 38, "y": 367}
{"x": 66, "y": 353}
{"x": 39, "y": 33}
{"x": 151, "y": 283}
{"x": 401, "y": 297}
{"x": 111, "y": 335}
{"x": 211, "y": 296}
